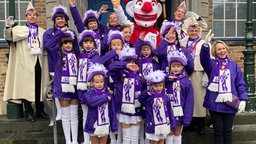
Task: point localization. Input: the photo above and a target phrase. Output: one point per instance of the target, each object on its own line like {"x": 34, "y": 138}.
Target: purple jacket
{"x": 238, "y": 86}
{"x": 147, "y": 101}
{"x": 50, "y": 41}
{"x": 187, "y": 100}
{"x": 101, "y": 32}
{"x": 116, "y": 70}
{"x": 152, "y": 59}
{"x": 93, "y": 101}
{"x": 161, "y": 53}
{"x": 54, "y": 50}
{"x": 98, "y": 59}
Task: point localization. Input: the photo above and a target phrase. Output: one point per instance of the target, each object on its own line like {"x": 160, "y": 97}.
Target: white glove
{"x": 116, "y": 3}
{"x": 10, "y": 21}
{"x": 192, "y": 15}
{"x": 208, "y": 37}
{"x": 241, "y": 107}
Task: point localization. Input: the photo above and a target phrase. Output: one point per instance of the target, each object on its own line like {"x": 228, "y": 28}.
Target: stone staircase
{"x": 23, "y": 132}
{"x": 244, "y": 132}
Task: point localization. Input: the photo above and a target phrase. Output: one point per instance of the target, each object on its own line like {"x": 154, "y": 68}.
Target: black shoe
{"x": 30, "y": 118}
{"x": 42, "y": 115}
{"x": 201, "y": 132}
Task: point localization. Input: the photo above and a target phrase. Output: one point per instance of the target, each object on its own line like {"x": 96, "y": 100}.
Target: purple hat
{"x": 176, "y": 56}
{"x": 115, "y": 34}
{"x": 90, "y": 14}
{"x": 69, "y": 33}
{"x": 84, "y": 34}
{"x": 148, "y": 41}
{"x": 155, "y": 77}
{"x": 182, "y": 5}
{"x": 96, "y": 69}
{"x": 60, "y": 10}
{"x": 127, "y": 53}
{"x": 166, "y": 25}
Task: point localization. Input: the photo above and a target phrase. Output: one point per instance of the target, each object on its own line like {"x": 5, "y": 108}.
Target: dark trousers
{"x": 222, "y": 125}
{"x": 39, "y": 105}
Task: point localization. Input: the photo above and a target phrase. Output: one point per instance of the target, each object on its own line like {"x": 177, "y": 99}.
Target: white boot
{"x": 126, "y": 135}
{"x": 112, "y": 137}
{"x": 177, "y": 139}
{"x": 169, "y": 139}
{"x": 66, "y": 123}
{"x": 74, "y": 123}
{"x": 119, "y": 134}
{"x": 85, "y": 112}
{"x": 135, "y": 134}
{"x": 58, "y": 108}
{"x": 142, "y": 133}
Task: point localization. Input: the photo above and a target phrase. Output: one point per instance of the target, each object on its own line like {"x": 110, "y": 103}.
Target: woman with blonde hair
{"x": 226, "y": 94}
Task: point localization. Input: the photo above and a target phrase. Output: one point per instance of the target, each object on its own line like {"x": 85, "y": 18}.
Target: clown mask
{"x": 145, "y": 12}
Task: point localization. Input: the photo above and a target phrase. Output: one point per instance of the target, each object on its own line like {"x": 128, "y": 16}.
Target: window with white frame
{"x": 229, "y": 18}
{"x": 20, "y": 10}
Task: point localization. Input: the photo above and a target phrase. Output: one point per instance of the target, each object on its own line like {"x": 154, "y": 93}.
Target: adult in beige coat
{"x": 198, "y": 78}
{"x": 27, "y": 72}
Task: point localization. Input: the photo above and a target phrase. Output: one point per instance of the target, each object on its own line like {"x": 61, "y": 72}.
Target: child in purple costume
{"x": 60, "y": 19}
{"x": 179, "y": 89}
{"x": 169, "y": 44}
{"x": 101, "y": 107}
{"x": 88, "y": 55}
{"x": 90, "y": 22}
{"x": 159, "y": 116}
{"x": 65, "y": 75}
{"x": 147, "y": 63}
{"x": 128, "y": 88}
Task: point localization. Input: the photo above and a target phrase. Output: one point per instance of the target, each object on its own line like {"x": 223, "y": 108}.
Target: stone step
{"x": 241, "y": 134}
{"x": 20, "y": 132}
{"x": 245, "y": 118}
{"x": 32, "y": 141}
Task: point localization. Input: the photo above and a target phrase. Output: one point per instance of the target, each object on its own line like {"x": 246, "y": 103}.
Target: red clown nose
{"x": 147, "y": 7}
{"x": 126, "y": 1}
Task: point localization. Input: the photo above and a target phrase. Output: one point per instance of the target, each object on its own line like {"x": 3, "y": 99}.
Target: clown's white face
{"x": 146, "y": 12}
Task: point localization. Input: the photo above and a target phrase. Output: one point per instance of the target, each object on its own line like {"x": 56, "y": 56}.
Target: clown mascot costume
{"x": 145, "y": 14}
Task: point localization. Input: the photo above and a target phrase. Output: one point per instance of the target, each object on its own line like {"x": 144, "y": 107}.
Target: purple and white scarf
{"x": 131, "y": 92}
{"x": 175, "y": 94}
{"x": 69, "y": 72}
{"x": 170, "y": 48}
{"x": 191, "y": 46}
{"x": 178, "y": 27}
{"x": 33, "y": 39}
{"x": 221, "y": 82}
{"x": 102, "y": 124}
{"x": 160, "y": 114}
{"x": 98, "y": 41}
{"x": 84, "y": 64}
{"x": 147, "y": 65}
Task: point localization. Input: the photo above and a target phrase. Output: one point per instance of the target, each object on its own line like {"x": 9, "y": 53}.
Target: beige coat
{"x": 196, "y": 78}
{"x": 20, "y": 78}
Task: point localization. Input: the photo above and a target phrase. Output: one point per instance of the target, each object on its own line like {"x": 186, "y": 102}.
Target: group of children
{"x": 121, "y": 87}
